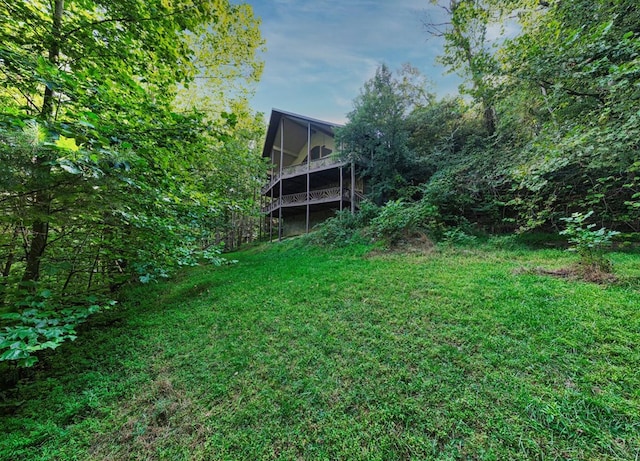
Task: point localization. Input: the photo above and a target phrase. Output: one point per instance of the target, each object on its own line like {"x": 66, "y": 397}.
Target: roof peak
{"x": 303, "y": 117}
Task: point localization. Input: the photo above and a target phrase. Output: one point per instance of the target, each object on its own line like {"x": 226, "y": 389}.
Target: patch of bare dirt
{"x": 576, "y": 272}
{"x": 150, "y": 421}
{"x": 417, "y": 243}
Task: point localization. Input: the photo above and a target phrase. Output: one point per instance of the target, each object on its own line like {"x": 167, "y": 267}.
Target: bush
{"x": 345, "y": 228}
{"x": 398, "y": 220}
{"x": 39, "y": 326}
{"x": 590, "y": 244}
{"x": 457, "y": 236}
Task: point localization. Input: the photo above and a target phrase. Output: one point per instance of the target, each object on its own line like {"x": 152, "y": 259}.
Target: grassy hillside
{"x": 302, "y": 353}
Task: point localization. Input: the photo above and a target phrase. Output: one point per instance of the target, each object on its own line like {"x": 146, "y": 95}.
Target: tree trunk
{"x": 489, "y": 117}
{"x": 39, "y": 235}
{"x": 488, "y": 110}
{"x": 42, "y": 173}
{"x": 6, "y": 270}
{"x": 54, "y": 53}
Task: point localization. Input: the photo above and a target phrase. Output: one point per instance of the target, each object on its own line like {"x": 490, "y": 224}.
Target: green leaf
{"x": 68, "y": 166}
{"x": 25, "y": 332}
{"x": 49, "y": 345}
{"x": 10, "y": 316}
{"x": 28, "y": 362}
{"x": 67, "y": 143}
{"x": 13, "y": 354}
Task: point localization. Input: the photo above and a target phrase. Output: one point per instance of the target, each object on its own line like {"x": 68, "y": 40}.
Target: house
{"x": 307, "y": 182}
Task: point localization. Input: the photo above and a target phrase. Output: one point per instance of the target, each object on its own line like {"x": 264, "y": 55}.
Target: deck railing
{"x": 301, "y": 168}
{"x": 315, "y": 196}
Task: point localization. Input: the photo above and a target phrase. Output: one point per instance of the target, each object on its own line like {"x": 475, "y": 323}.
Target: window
{"x": 319, "y": 152}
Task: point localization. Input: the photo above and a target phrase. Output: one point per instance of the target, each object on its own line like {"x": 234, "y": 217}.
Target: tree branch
{"x": 125, "y": 19}
{"x": 26, "y": 97}
{"x": 598, "y": 96}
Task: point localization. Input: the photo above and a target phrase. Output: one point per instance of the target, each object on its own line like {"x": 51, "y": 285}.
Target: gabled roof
{"x": 274, "y": 124}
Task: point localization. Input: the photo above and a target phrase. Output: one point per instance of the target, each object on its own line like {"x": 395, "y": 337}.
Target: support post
{"x": 271, "y": 223}
{"x": 271, "y": 204}
{"x": 280, "y": 179}
{"x": 353, "y": 186}
{"x": 308, "y": 174}
{"x": 341, "y": 188}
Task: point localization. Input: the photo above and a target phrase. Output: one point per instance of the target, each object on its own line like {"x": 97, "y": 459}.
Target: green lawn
{"x": 310, "y": 354}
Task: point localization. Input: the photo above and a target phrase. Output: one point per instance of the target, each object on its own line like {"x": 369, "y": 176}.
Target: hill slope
{"x": 301, "y": 353}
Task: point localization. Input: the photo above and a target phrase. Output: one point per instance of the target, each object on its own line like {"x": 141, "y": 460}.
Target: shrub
{"x": 345, "y": 228}
{"x": 398, "y": 220}
{"x": 39, "y": 325}
{"x": 457, "y": 236}
{"x": 590, "y": 244}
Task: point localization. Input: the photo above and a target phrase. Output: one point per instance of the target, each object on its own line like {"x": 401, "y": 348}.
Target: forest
{"x": 129, "y": 149}
{"x": 546, "y": 124}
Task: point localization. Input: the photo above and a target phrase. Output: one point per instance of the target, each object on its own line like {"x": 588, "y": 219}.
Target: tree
{"x": 561, "y": 133}
{"x": 104, "y": 174}
{"x": 578, "y": 62}
{"x": 467, "y": 50}
{"x": 376, "y": 136}
{"x": 440, "y": 130}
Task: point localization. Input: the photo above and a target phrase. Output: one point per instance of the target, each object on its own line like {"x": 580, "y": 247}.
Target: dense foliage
{"x": 112, "y": 169}
{"x": 398, "y": 221}
{"x": 376, "y": 138}
{"x": 548, "y": 126}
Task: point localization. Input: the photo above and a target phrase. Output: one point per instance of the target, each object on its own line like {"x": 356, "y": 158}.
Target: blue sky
{"x": 320, "y": 52}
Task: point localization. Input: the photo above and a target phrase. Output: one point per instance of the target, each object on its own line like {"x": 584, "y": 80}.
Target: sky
{"x": 319, "y": 53}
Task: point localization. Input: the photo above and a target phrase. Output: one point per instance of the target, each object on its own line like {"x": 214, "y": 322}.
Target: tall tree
{"x": 468, "y": 51}
{"x": 578, "y": 62}
{"x": 376, "y": 135}
{"x": 104, "y": 175}
{"x": 98, "y": 79}
{"x": 562, "y": 94}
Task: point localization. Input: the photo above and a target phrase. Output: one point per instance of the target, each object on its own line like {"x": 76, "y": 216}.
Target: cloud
{"x": 320, "y": 53}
